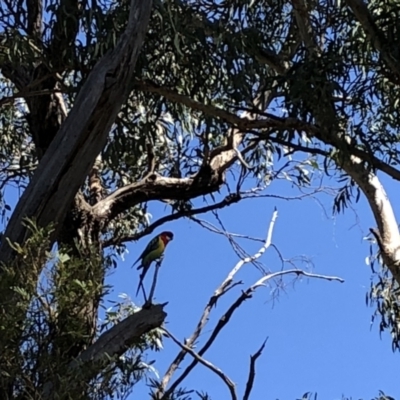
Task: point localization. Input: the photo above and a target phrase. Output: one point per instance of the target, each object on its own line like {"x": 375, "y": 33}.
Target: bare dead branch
{"x": 273, "y": 275}
{"x": 252, "y": 371}
{"x": 208, "y": 364}
{"x": 189, "y": 342}
{"x": 113, "y": 343}
{"x": 250, "y": 259}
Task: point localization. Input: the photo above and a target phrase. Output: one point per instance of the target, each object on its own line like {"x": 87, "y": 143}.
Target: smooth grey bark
{"x": 80, "y": 139}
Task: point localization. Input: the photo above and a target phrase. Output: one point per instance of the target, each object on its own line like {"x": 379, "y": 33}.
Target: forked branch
{"x": 208, "y": 364}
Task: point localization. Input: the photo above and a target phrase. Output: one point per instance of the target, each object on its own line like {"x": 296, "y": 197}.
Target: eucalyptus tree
{"x": 110, "y": 105}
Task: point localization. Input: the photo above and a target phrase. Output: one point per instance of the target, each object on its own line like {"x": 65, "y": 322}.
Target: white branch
{"x": 250, "y": 259}
{"x": 268, "y": 277}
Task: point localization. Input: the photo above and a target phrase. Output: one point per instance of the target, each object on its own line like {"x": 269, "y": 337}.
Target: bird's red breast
{"x": 166, "y": 237}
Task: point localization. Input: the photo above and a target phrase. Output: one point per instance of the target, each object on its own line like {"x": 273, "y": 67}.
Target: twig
{"x": 241, "y": 159}
{"x": 252, "y": 371}
{"x": 375, "y": 232}
{"x": 208, "y": 364}
{"x": 151, "y": 161}
{"x": 212, "y": 228}
{"x": 243, "y": 123}
{"x": 189, "y": 342}
{"x": 268, "y": 277}
{"x": 153, "y": 285}
{"x": 44, "y": 92}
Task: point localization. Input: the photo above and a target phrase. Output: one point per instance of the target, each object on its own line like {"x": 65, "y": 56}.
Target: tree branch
{"x": 252, "y": 371}
{"x": 223, "y": 321}
{"x": 304, "y": 25}
{"x": 71, "y": 154}
{"x": 382, "y": 210}
{"x": 158, "y": 187}
{"x": 227, "y": 201}
{"x": 65, "y": 30}
{"x": 351, "y": 159}
{"x": 112, "y": 344}
{"x": 35, "y": 10}
{"x": 149, "y": 300}
{"x": 201, "y": 360}
{"x": 378, "y": 40}
{"x": 244, "y": 123}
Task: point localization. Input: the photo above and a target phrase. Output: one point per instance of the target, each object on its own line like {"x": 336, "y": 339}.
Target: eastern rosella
{"x": 153, "y": 251}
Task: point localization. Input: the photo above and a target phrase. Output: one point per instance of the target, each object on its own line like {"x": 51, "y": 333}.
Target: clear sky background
{"x": 320, "y": 334}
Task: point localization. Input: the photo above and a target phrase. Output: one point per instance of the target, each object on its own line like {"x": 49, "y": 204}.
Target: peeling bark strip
{"x": 73, "y": 151}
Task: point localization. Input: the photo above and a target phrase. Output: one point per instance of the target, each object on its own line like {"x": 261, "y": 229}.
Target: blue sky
{"x": 320, "y": 335}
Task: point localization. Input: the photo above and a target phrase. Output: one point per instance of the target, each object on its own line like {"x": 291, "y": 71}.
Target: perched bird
{"x": 153, "y": 251}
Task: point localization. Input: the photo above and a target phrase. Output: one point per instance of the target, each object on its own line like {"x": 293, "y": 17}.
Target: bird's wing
{"x": 151, "y": 246}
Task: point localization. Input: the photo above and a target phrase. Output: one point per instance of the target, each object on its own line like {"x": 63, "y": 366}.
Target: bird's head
{"x": 167, "y": 236}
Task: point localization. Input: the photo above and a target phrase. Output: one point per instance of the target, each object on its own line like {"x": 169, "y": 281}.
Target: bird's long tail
{"x": 136, "y": 263}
